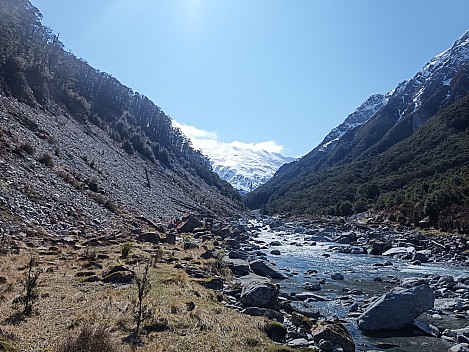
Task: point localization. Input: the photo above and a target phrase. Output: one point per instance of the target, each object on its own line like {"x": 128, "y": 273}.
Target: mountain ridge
{"x": 442, "y": 82}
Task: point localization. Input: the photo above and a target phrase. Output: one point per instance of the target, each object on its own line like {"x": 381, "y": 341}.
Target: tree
{"x": 141, "y": 311}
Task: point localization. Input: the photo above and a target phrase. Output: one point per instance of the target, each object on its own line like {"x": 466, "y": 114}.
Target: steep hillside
{"x": 74, "y": 136}
{"x": 366, "y": 165}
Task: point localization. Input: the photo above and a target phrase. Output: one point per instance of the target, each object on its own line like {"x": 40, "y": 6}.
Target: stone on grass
{"x": 119, "y": 277}
{"x": 275, "y": 330}
{"x": 151, "y": 237}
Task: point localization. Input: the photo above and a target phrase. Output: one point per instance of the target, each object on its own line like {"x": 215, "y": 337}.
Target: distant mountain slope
{"x": 346, "y": 175}
{"x": 118, "y": 142}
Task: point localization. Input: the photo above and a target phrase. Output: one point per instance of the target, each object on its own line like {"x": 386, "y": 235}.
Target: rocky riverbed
{"x": 309, "y": 274}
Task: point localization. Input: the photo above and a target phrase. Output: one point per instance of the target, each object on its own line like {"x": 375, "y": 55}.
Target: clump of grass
{"x": 6, "y": 346}
{"x": 90, "y": 339}
{"x": 126, "y": 248}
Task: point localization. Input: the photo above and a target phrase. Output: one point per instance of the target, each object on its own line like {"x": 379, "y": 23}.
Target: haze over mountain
{"x": 244, "y": 165}
{"x": 407, "y": 154}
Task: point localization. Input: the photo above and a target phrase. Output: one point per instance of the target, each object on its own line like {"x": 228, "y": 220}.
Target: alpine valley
{"x": 119, "y": 233}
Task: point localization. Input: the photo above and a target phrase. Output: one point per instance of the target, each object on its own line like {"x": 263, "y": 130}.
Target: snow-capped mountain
{"x": 245, "y": 168}
{"x": 245, "y": 165}
{"x": 361, "y": 114}
{"x": 432, "y": 84}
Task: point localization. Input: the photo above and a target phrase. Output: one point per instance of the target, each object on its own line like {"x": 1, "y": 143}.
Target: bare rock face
{"x": 397, "y": 309}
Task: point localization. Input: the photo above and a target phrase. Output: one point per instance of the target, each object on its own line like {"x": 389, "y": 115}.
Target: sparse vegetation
{"x": 31, "y": 293}
{"x": 126, "y": 248}
{"x": 90, "y": 339}
{"x": 36, "y": 70}
{"x": 142, "y": 311}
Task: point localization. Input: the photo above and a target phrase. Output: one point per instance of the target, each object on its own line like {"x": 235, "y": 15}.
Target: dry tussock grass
{"x": 190, "y": 316}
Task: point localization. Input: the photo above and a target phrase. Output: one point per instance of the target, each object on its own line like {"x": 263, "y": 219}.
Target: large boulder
{"x": 264, "y": 269}
{"x": 397, "y": 309}
{"x": 240, "y": 269}
{"x": 400, "y": 251}
{"x": 188, "y": 224}
{"x": 335, "y": 333}
{"x": 378, "y": 247}
{"x": 257, "y": 294}
{"x": 151, "y": 237}
{"x": 305, "y": 308}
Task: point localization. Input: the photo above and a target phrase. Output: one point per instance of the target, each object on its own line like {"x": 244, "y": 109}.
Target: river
{"x": 365, "y": 276}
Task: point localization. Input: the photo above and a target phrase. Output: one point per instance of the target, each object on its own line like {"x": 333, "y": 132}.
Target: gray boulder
{"x": 399, "y": 251}
{"x": 264, "y": 269}
{"x": 257, "y": 294}
{"x": 337, "y": 276}
{"x": 397, "y": 309}
{"x": 240, "y": 269}
{"x": 151, "y": 237}
{"x": 335, "y": 332}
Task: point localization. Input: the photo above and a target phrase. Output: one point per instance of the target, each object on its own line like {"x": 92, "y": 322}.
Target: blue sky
{"x": 285, "y": 71}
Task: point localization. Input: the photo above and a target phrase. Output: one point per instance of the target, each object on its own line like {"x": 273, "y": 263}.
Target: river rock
{"x": 378, "y": 247}
{"x": 300, "y": 342}
{"x": 399, "y": 251}
{"x": 312, "y": 286}
{"x": 460, "y": 347}
{"x": 357, "y": 250}
{"x": 237, "y": 255}
{"x": 264, "y": 295}
{"x": 427, "y": 328}
{"x": 304, "y": 308}
{"x": 240, "y": 269}
{"x": 422, "y": 256}
{"x": 264, "y": 269}
{"x": 337, "y": 276}
{"x": 264, "y": 312}
{"x": 334, "y": 332}
{"x": 397, "y": 309}
{"x": 346, "y": 238}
